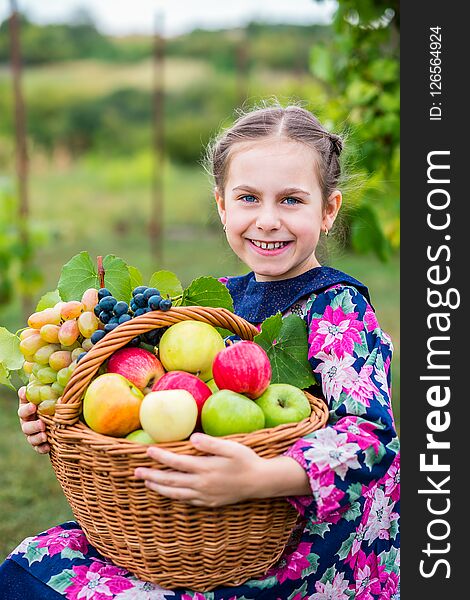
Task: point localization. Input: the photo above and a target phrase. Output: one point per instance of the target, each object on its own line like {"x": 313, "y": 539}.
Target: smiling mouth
{"x": 269, "y": 245}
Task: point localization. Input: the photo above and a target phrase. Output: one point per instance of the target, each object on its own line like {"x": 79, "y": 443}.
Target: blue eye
{"x": 295, "y": 201}
{"x": 249, "y": 198}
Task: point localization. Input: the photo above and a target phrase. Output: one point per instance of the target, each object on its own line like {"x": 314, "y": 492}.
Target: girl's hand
{"x": 33, "y": 428}
{"x": 229, "y": 474}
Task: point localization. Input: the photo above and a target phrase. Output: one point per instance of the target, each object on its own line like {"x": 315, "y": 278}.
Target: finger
{"x": 179, "y": 462}
{"x": 27, "y": 412}
{"x": 183, "y": 494}
{"x": 33, "y": 427}
{"x": 42, "y": 448}
{"x": 216, "y": 446}
{"x": 22, "y": 394}
{"x": 166, "y": 477}
{"x": 37, "y": 439}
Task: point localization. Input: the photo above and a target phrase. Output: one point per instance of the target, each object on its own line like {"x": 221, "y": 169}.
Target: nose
{"x": 268, "y": 218}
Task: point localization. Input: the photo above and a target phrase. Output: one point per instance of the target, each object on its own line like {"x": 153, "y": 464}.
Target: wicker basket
{"x": 164, "y": 541}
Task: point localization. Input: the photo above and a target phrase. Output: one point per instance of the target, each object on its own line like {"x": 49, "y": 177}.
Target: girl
{"x": 276, "y": 174}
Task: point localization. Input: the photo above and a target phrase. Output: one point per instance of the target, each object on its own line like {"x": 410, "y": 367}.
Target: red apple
{"x": 137, "y": 365}
{"x": 181, "y": 380}
{"x": 243, "y": 367}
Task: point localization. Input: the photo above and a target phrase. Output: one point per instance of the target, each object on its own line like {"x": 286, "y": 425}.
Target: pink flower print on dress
{"x": 331, "y": 450}
{"x": 369, "y": 576}
{"x": 380, "y": 519}
{"x": 143, "y": 590}
{"x": 327, "y": 496}
{"x": 291, "y": 566}
{"x": 335, "y": 372}
{"x": 370, "y": 319}
{"x": 361, "y": 387}
{"x": 390, "y": 590}
{"x": 392, "y": 480}
{"x": 334, "y": 590}
{"x": 58, "y": 538}
{"x": 334, "y": 331}
{"x": 360, "y": 432}
{"x": 98, "y": 581}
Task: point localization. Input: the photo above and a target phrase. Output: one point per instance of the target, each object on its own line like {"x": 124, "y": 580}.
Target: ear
{"x": 333, "y": 205}
{"x": 220, "y": 205}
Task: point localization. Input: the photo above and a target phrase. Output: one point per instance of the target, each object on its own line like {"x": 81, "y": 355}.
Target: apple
{"x": 111, "y": 405}
{"x": 283, "y": 403}
{"x": 181, "y": 380}
{"x": 140, "y": 437}
{"x": 168, "y": 415}
{"x": 226, "y": 412}
{"x": 190, "y": 346}
{"x": 137, "y": 365}
{"x": 243, "y": 367}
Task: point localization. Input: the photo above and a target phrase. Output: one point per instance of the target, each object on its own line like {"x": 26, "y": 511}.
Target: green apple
{"x": 190, "y": 346}
{"x": 140, "y": 437}
{"x": 168, "y": 415}
{"x": 227, "y": 412}
{"x": 283, "y": 403}
{"x": 211, "y": 384}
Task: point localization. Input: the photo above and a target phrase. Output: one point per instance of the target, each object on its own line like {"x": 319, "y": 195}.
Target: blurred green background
{"x": 90, "y": 109}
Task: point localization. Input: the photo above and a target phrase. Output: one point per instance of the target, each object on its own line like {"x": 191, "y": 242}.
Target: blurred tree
{"x": 359, "y": 69}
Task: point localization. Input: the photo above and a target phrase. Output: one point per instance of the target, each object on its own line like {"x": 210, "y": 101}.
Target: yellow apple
{"x": 168, "y": 415}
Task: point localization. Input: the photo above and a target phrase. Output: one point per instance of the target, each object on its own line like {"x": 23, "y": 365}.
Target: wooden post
{"x": 157, "y": 203}
{"x": 21, "y": 147}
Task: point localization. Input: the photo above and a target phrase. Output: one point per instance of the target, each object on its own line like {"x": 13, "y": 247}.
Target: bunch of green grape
{"x": 53, "y": 343}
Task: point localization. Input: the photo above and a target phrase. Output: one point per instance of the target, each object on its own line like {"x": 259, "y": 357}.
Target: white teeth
{"x": 269, "y": 245}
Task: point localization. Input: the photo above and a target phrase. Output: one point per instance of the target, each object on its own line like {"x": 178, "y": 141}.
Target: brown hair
{"x": 292, "y": 122}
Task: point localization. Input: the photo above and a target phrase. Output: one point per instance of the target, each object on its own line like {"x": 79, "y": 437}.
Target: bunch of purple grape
{"x": 112, "y": 313}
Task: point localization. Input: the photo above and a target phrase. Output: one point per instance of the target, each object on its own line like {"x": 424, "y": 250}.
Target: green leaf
{"x": 5, "y": 377}
{"x": 167, "y": 283}
{"x": 313, "y": 560}
{"x": 34, "y": 553}
{"x": 354, "y": 491}
{"x": 61, "y": 581}
{"x": 77, "y": 275}
{"x": 318, "y": 528}
{"x": 117, "y": 277}
{"x": 285, "y": 341}
{"x": 10, "y": 355}
{"x": 49, "y": 300}
{"x": 353, "y": 512}
{"x": 346, "y": 546}
{"x": 371, "y": 457}
{"x": 389, "y": 560}
{"x": 300, "y": 592}
{"x": 207, "y": 291}
{"x": 136, "y": 277}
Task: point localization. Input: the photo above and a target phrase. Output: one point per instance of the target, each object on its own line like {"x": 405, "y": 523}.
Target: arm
{"x": 350, "y": 356}
{"x": 230, "y": 472}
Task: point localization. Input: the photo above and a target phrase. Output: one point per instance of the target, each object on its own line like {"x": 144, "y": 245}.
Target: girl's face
{"x": 272, "y": 207}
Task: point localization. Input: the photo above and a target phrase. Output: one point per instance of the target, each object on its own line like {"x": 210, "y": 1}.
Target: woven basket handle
{"x": 70, "y": 406}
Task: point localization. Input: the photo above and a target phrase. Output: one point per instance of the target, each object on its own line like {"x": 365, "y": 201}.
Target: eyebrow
{"x": 284, "y": 192}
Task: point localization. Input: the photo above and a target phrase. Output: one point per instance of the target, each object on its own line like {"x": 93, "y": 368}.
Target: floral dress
{"x": 346, "y": 543}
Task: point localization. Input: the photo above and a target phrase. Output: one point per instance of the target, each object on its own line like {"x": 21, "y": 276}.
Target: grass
{"x": 103, "y": 207}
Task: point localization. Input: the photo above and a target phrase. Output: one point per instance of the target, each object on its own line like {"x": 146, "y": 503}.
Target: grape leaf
{"x": 167, "y": 283}
{"x": 77, "y": 275}
{"x": 5, "y": 377}
{"x": 49, "y": 300}
{"x": 80, "y": 273}
{"x": 10, "y": 355}
{"x": 136, "y": 277}
{"x": 117, "y": 277}
{"x": 207, "y": 291}
{"x": 285, "y": 341}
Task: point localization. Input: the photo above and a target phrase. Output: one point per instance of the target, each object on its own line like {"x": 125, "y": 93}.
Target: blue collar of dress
{"x": 255, "y": 301}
